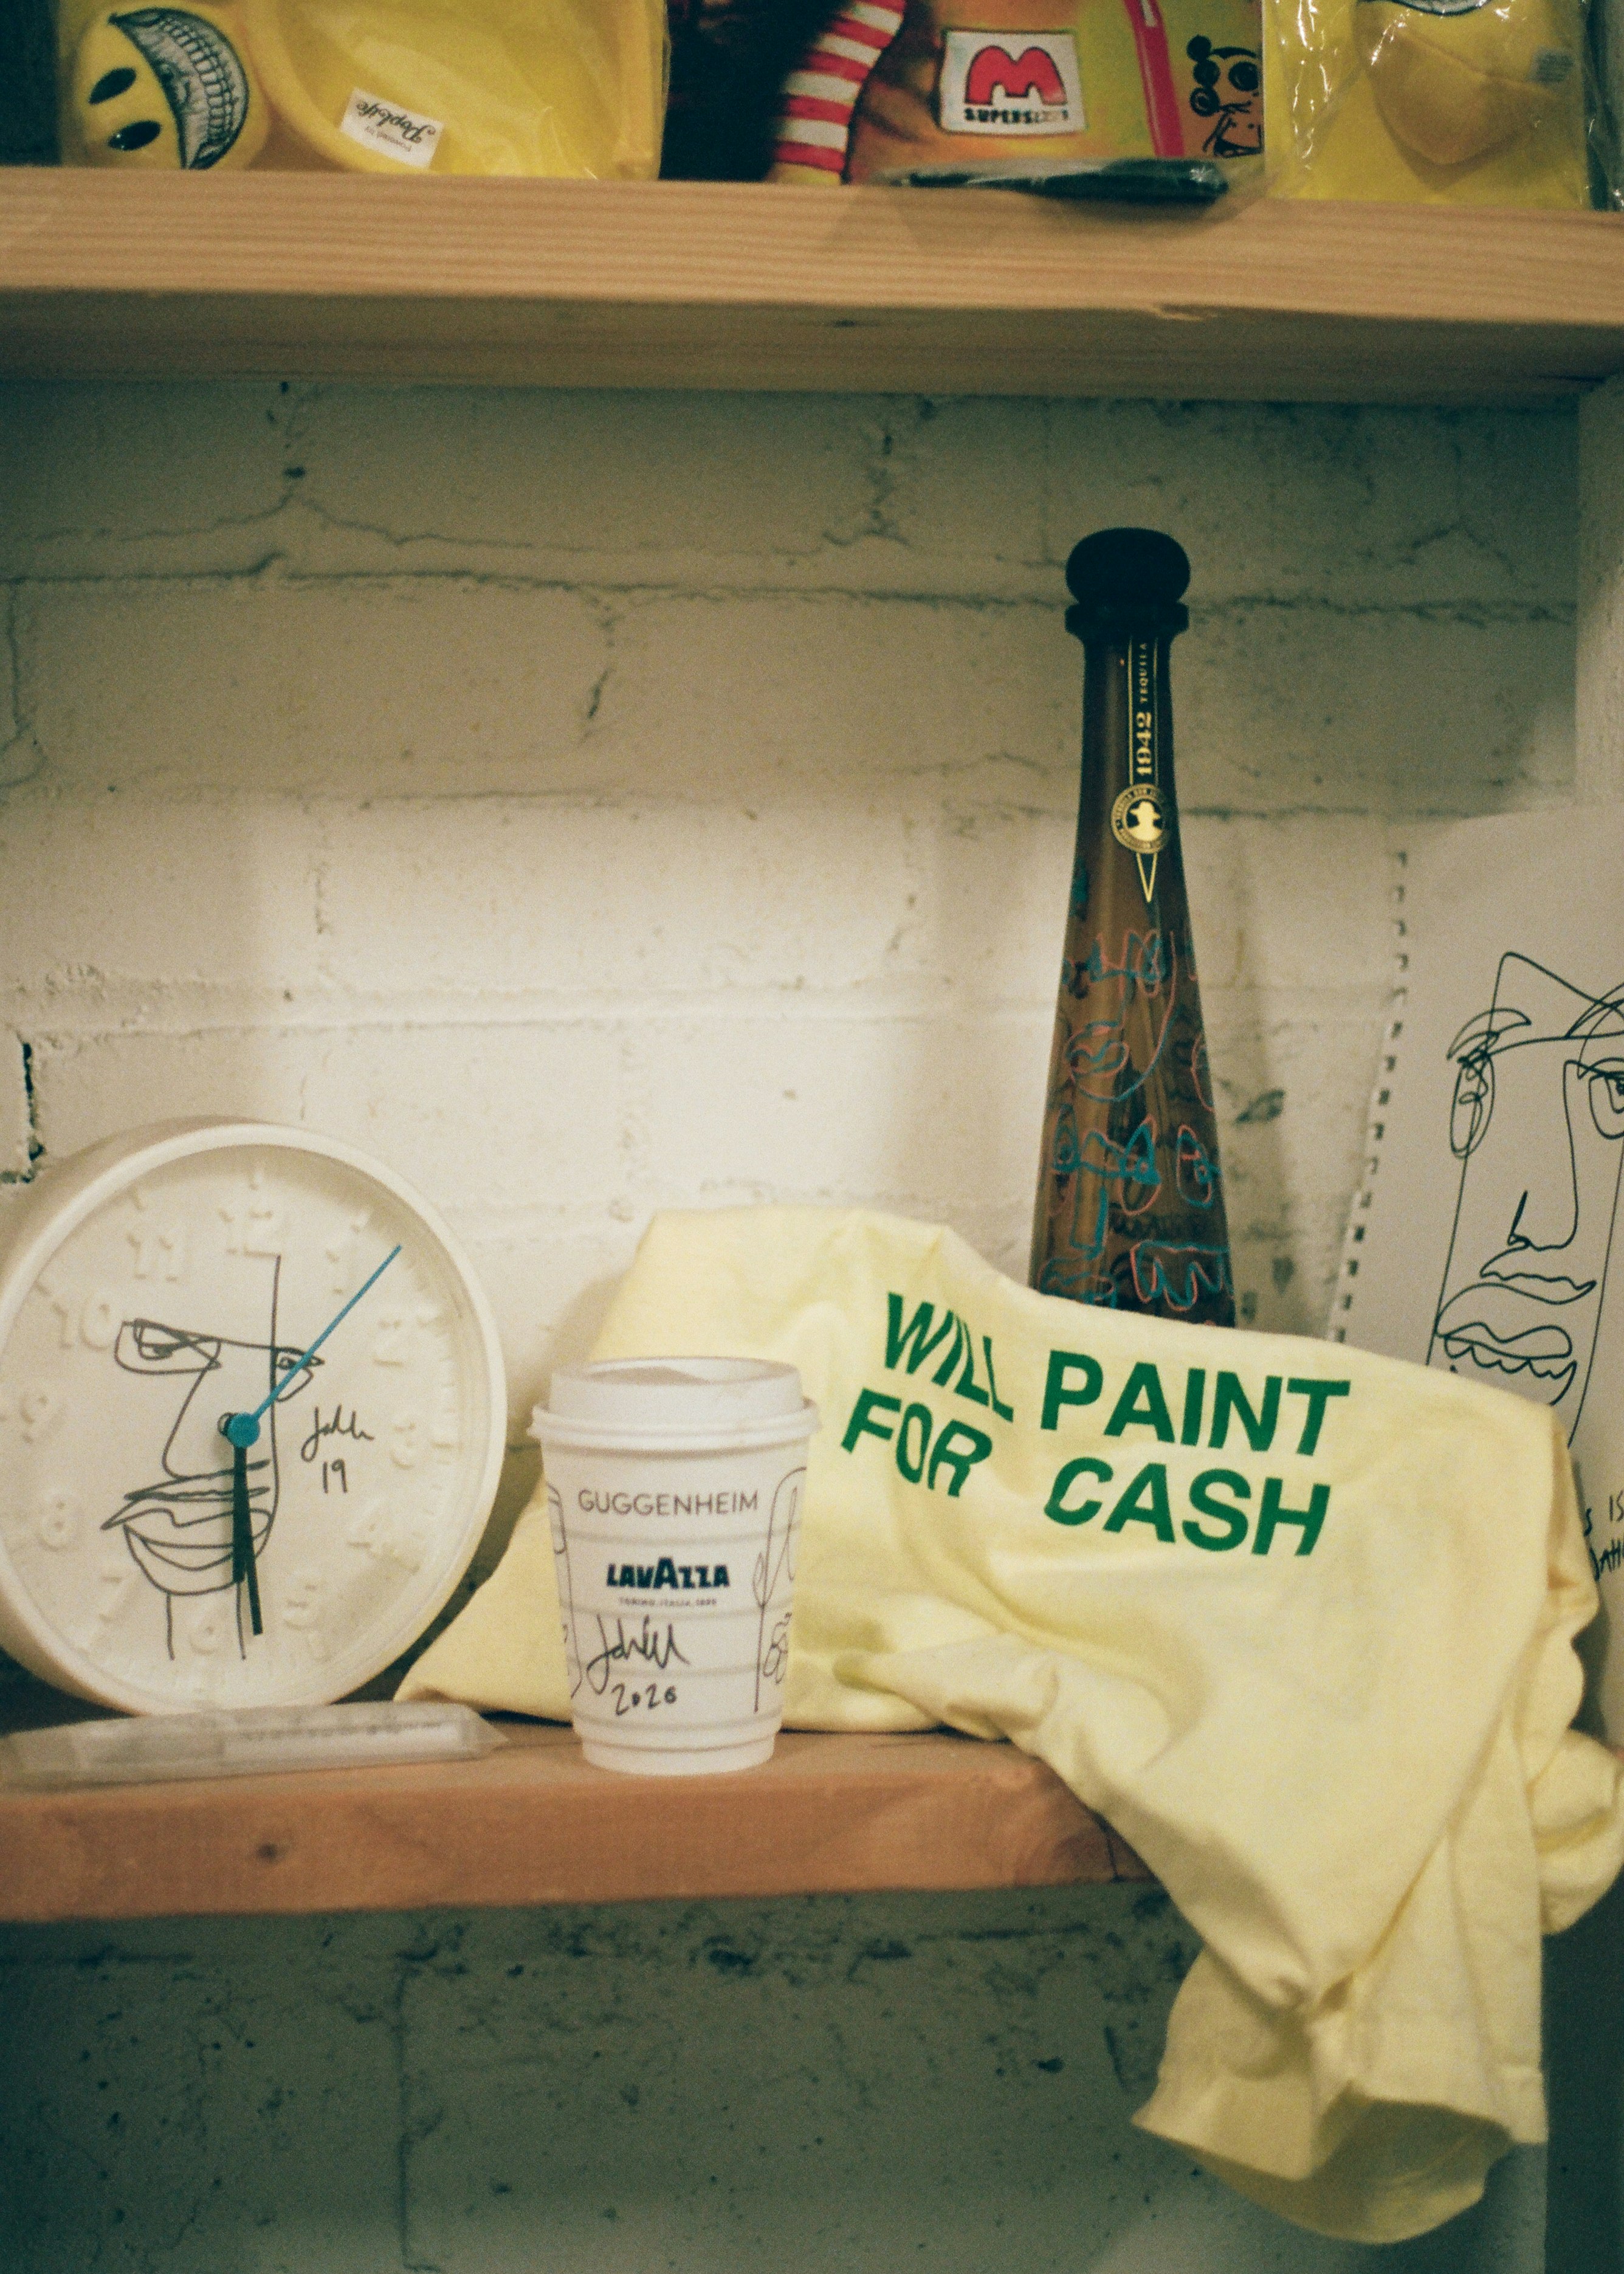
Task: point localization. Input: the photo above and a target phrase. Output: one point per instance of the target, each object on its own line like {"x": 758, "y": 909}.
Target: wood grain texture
{"x": 724, "y": 284}
{"x": 534, "y": 1824}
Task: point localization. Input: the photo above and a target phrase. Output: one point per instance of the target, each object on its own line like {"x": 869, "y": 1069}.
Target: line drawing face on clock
{"x": 178, "y": 1524}
{"x": 239, "y": 1465}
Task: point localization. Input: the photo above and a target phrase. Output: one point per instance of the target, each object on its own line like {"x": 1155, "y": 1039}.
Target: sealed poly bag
{"x": 1429, "y": 101}
{"x": 1296, "y": 1619}
{"x": 567, "y": 87}
{"x": 888, "y": 88}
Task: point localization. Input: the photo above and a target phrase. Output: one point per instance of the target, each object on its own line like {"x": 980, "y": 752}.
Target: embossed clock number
{"x": 396, "y": 1332}
{"x": 160, "y": 1250}
{"x": 115, "y": 1577}
{"x": 405, "y": 1440}
{"x": 446, "y": 1435}
{"x": 160, "y": 1244}
{"x": 255, "y": 1225}
{"x": 379, "y": 1534}
{"x": 340, "y": 1250}
{"x": 409, "y": 1436}
{"x": 93, "y": 1320}
{"x": 208, "y": 1625}
{"x": 304, "y": 1608}
{"x": 34, "y": 1408}
{"x": 56, "y": 1521}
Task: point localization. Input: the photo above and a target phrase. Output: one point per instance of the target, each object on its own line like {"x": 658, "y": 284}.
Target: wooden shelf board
{"x": 533, "y": 1823}
{"x": 722, "y": 285}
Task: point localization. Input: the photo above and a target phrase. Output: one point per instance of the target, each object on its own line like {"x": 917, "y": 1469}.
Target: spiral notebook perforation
{"x": 1486, "y": 1233}
{"x": 1375, "y": 1127}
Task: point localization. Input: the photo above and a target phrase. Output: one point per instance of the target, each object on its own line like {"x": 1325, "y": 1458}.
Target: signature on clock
{"x": 338, "y": 1427}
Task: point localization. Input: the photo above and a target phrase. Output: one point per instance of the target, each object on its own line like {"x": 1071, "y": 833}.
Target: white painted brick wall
{"x": 598, "y": 804}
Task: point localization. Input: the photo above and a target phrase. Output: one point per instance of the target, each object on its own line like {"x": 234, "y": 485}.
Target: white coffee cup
{"x": 675, "y": 1487}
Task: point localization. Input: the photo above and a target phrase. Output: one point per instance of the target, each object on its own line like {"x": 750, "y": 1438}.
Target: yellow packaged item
{"x": 888, "y": 88}
{"x": 568, "y": 87}
{"x": 1428, "y": 101}
{"x": 1296, "y": 1619}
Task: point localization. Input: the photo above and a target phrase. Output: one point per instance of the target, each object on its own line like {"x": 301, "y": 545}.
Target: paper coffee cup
{"x": 675, "y": 1487}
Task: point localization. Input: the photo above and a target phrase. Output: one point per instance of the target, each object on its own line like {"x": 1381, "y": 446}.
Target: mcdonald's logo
{"x": 995, "y": 72}
{"x": 1022, "y": 83}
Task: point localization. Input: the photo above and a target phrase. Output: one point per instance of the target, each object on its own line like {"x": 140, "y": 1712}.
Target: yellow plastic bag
{"x": 1428, "y": 101}
{"x": 570, "y": 88}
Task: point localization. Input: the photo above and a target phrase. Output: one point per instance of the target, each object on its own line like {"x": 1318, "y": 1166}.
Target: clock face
{"x": 180, "y": 1291}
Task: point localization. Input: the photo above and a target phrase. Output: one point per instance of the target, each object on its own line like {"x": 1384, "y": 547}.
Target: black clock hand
{"x": 241, "y": 1430}
{"x": 244, "y": 1565}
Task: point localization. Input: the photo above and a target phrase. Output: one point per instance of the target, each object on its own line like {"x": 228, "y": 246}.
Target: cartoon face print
{"x": 177, "y": 1524}
{"x": 165, "y": 87}
{"x": 1227, "y": 91}
{"x": 1538, "y": 1125}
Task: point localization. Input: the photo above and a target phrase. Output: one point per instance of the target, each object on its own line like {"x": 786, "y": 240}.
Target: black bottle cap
{"x": 1127, "y": 581}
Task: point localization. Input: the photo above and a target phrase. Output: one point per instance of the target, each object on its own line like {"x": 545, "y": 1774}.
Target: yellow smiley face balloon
{"x": 168, "y": 87}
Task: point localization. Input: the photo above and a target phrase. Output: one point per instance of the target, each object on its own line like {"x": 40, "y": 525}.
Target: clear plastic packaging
{"x": 563, "y": 87}
{"x": 1606, "y": 59}
{"x": 262, "y": 1740}
{"x": 1480, "y": 102}
{"x": 903, "y": 89}
{"x": 1091, "y": 181}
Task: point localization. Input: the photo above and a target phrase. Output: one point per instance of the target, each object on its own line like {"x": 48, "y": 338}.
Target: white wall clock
{"x": 171, "y": 1282}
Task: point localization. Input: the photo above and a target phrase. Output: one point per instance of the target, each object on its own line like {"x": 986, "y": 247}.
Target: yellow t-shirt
{"x": 1298, "y": 1620}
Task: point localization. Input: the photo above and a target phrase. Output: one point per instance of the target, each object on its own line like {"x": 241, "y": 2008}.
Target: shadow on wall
{"x": 1584, "y": 2062}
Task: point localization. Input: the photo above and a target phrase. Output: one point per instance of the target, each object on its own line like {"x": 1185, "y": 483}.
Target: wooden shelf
{"x": 719, "y": 284}
{"x": 533, "y": 1823}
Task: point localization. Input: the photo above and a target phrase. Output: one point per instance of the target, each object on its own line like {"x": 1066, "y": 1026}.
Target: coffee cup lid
{"x": 680, "y": 1395}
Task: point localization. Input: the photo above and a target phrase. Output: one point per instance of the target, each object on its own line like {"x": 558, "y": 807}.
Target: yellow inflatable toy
{"x": 1430, "y": 102}
{"x": 1455, "y": 82}
{"x": 563, "y": 87}
{"x": 166, "y": 87}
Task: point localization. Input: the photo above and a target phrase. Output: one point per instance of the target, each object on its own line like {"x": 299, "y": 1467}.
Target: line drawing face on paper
{"x": 1538, "y": 1126}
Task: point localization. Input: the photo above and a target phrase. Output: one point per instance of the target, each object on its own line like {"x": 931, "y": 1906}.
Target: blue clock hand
{"x": 242, "y": 1430}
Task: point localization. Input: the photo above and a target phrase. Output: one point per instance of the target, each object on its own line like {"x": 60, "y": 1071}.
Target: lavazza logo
{"x": 1015, "y": 82}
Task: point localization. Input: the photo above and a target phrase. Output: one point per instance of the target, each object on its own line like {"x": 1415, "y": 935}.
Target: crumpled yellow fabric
{"x": 1296, "y": 1619}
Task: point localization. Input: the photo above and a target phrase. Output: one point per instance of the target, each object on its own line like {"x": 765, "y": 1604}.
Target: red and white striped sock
{"x": 820, "y": 95}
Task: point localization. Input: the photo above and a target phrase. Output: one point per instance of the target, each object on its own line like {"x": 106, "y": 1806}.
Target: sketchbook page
{"x": 1487, "y": 1238}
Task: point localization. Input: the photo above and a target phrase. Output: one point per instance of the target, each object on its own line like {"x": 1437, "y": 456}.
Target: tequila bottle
{"x": 1130, "y": 1203}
